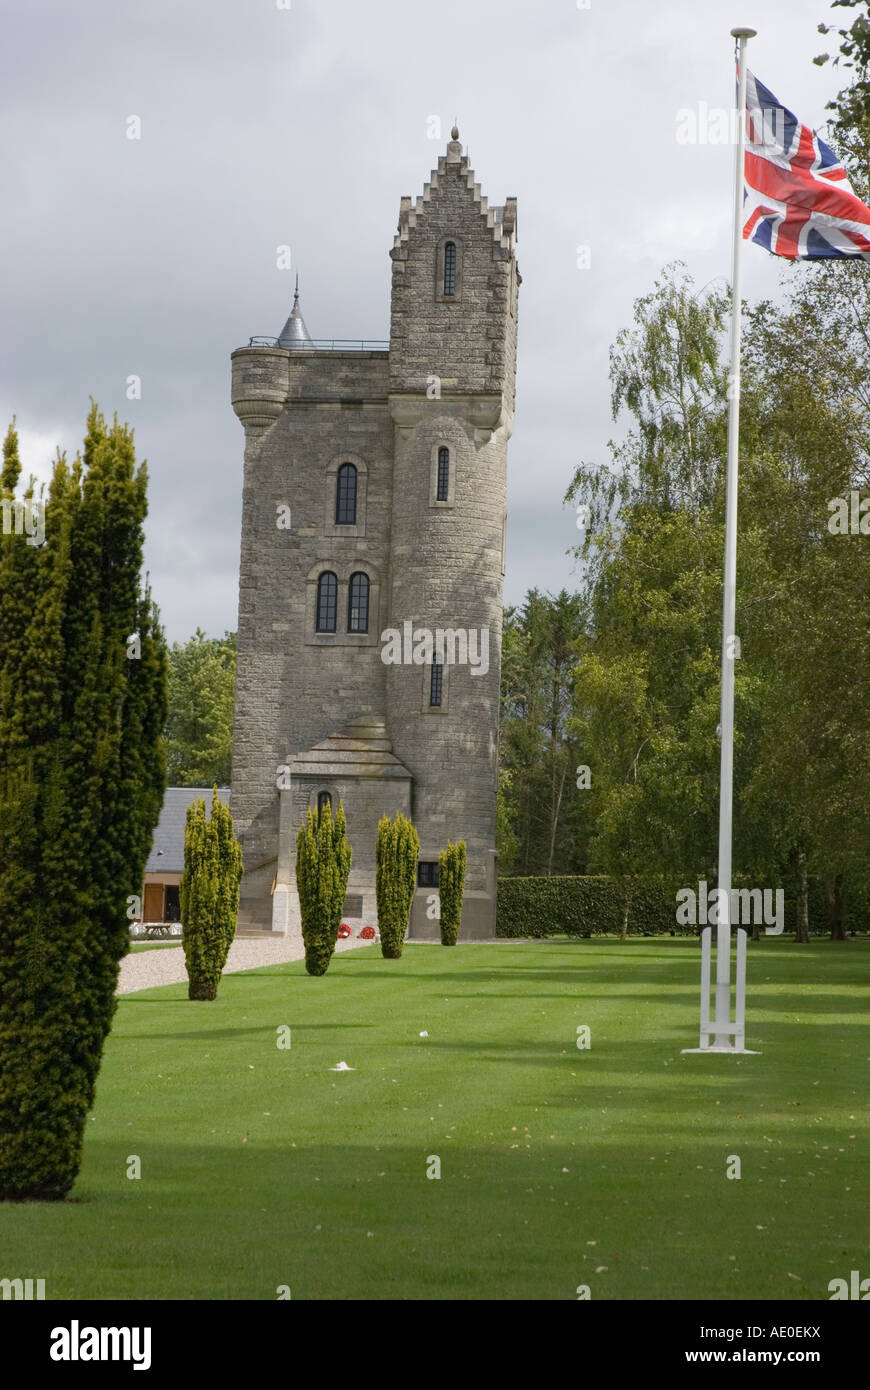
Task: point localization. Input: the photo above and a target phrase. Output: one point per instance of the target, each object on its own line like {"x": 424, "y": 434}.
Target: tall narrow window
{"x": 345, "y": 496}
{"x": 436, "y": 682}
{"x": 327, "y": 602}
{"x": 324, "y": 799}
{"x": 358, "y": 603}
{"x": 450, "y": 268}
{"x": 443, "y": 475}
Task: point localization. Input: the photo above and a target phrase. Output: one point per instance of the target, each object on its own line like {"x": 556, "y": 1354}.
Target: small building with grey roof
{"x": 165, "y": 864}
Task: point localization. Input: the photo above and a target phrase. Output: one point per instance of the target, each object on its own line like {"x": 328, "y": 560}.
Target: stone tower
{"x": 372, "y": 563}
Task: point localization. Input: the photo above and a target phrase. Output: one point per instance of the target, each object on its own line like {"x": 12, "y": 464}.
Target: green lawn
{"x": 262, "y": 1167}
{"x": 153, "y": 945}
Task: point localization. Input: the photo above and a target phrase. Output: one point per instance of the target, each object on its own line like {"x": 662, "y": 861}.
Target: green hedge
{"x": 579, "y": 906}
{"x": 574, "y": 905}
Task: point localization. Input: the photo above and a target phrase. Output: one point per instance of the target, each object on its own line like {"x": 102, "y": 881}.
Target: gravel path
{"x": 146, "y": 969}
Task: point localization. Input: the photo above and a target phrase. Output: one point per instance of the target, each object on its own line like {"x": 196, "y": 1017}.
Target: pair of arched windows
{"x": 357, "y": 602}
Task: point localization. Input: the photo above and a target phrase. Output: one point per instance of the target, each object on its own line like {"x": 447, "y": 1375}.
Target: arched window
{"x": 358, "y": 603}
{"x": 327, "y": 602}
{"x": 450, "y": 268}
{"x": 436, "y": 682}
{"x": 345, "y": 496}
{"x": 324, "y": 799}
{"x": 443, "y": 475}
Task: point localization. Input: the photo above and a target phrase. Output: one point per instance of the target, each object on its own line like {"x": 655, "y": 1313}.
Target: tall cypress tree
{"x": 398, "y": 849}
{"x": 230, "y": 870}
{"x": 209, "y": 894}
{"x": 82, "y": 709}
{"x": 451, "y": 886}
{"x": 323, "y": 859}
{"x": 11, "y": 462}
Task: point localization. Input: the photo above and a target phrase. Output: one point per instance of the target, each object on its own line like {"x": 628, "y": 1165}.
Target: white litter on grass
{"x": 342, "y": 1066}
{"x": 424, "y": 1034}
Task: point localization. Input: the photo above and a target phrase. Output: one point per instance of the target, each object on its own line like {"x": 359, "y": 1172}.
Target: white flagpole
{"x": 728, "y": 1037}
{"x": 722, "y": 1017}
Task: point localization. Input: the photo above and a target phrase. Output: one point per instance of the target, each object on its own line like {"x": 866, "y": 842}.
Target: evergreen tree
{"x": 82, "y": 709}
{"x": 230, "y": 870}
{"x": 209, "y": 894}
{"x": 11, "y": 462}
{"x": 323, "y": 858}
{"x": 398, "y": 850}
{"x": 451, "y": 885}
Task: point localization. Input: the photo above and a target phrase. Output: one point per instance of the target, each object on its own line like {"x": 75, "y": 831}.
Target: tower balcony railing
{"x": 324, "y": 344}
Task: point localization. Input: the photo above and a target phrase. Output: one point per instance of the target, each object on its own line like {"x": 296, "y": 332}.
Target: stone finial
{"x": 454, "y": 134}
{"x": 454, "y": 149}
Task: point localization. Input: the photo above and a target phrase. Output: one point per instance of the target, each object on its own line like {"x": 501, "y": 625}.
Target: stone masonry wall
{"x": 293, "y": 688}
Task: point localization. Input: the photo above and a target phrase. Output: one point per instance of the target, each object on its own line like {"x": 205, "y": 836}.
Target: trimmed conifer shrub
{"x": 451, "y": 886}
{"x": 82, "y": 713}
{"x": 209, "y": 894}
{"x": 323, "y": 859}
{"x": 230, "y": 871}
{"x": 398, "y": 850}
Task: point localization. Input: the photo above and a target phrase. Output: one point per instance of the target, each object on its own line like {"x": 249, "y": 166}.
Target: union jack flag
{"x": 797, "y": 199}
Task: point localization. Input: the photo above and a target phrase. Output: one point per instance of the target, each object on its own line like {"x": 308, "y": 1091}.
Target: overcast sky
{"x": 303, "y": 126}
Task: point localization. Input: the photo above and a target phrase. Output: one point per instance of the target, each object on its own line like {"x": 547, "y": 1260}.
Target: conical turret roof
{"x": 294, "y": 334}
